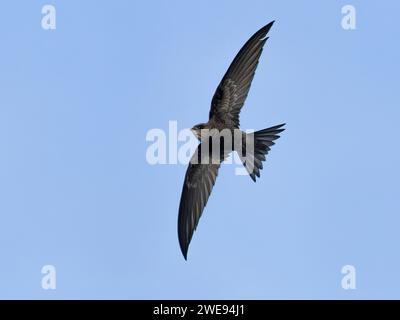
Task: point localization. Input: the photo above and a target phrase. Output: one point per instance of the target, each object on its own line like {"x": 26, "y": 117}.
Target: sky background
{"x": 77, "y": 192}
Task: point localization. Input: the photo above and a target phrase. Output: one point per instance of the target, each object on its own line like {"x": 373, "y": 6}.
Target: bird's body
{"x": 215, "y": 143}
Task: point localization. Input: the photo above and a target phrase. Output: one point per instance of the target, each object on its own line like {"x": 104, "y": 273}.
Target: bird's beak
{"x": 195, "y": 133}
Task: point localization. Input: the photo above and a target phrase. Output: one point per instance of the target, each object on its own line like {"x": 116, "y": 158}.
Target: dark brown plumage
{"x": 226, "y": 104}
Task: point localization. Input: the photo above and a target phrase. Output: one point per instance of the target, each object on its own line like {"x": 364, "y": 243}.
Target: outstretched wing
{"x": 231, "y": 93}
{"x": 199, "y": 181}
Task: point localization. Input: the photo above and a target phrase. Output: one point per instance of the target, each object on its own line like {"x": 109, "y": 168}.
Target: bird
{"x": 226, "y": 104}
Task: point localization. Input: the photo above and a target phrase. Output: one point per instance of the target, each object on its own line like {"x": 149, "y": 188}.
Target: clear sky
{"x": 76, "y": 191}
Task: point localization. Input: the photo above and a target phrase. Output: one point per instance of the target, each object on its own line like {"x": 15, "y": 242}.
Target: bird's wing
{"x": 199, "y": 181}
{"x": 231, "y": 93}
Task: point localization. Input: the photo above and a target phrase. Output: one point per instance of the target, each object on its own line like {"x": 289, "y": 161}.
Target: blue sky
{"x": 77, "y": 192}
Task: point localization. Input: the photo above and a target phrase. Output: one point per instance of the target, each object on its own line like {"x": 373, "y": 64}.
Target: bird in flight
{"x": 226, "y": 104}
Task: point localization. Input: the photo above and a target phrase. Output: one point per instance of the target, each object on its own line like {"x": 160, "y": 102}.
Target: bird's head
{"x": 197, "y": 130}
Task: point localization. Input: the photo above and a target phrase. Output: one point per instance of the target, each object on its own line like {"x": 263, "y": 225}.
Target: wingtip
{"x": 269, "y": 25}
{"x": 264, "y": 30}
{"x": 184, "y": 252}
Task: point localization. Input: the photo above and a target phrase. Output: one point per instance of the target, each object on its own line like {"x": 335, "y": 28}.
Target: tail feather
{"x": 262, "y": 141}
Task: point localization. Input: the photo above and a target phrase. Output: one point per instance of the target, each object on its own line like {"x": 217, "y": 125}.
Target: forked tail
{"x": 256, "y": 147}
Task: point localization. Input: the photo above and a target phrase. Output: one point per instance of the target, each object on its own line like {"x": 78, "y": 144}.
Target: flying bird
{"x": 226, "y": 104}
